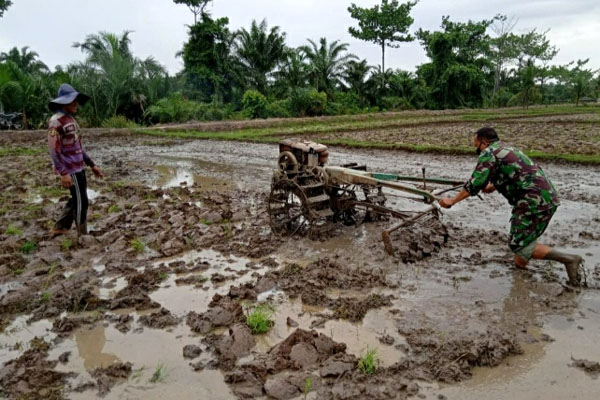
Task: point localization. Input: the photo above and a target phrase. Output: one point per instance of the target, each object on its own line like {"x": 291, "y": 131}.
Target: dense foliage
{"x": 253, "y": 73}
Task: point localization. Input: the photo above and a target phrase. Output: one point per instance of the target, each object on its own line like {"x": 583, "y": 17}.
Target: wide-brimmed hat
{"x": 66, "y": 95}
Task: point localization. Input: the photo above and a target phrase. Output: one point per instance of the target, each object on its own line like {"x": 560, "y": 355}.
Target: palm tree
{"x": 327, "y": 63}
{"x": 355, "y": 76}
{"x": 260, "y": 50}
{"x": 27, "y": 61}
{"x": 112, "y": 66}
{"x": 293, "y": 71}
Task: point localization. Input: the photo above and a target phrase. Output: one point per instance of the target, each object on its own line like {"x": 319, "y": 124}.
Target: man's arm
{"x": 479, "y": 180}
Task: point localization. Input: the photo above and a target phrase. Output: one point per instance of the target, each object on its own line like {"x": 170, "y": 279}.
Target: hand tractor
{"x": 308, "y": 196}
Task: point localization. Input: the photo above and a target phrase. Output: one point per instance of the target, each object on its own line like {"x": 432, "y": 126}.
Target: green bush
{"x": 395, "y": 103}
{"x": 308, "y": 102}
{"x": 279, "y": 109}
{"x": 501, "y": 98}
{"x": 254, "y": 104}
{"x": 176, "y": 108}
{"x": 118, "y": 121}
{"x": 350, "y": 102}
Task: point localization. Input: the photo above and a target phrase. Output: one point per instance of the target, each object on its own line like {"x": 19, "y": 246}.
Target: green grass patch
{"x": 45, "y": 297}
{"x": 28, "y": 247}
{"x": 66, "y": 244}
{"x": 21, "y": 151}
{"x": 160, "y": 373}
{"x": 50, "y": 191}
{"x": 368, "y": 362}
{"x": 137, "y": 245}
{"x": 163, "y": 275}
{"x": 114, "y": 208}
{"x": 260, "y": 319}
{"x": 13, "y": 230}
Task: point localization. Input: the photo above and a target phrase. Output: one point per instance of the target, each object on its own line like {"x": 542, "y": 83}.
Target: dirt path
{"x": 460, "y": 323}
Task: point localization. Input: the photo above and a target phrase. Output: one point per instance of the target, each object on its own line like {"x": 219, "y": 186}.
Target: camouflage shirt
{"x": 523, "y": 183}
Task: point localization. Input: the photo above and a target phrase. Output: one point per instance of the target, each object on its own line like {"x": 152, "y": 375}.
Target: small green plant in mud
{"x": 13, "y": 230}
{"x": 204, "y": 221}
{"x": 29, "y": 247}
{"x": 66, "y": 244}
{"x": 114, "y": 208}
{"x": 367, "y": 364}
{"x": 160, "y": 373}
{"x": 228, "y": 231}
{"x": 50, "y": 191}
{"x": 163, "y": 275}
{"x": 307, "y": 384}
{"x": 32, "y": 208}
{"x": 137, "y": 374}
{"x": 18, "y": 271}
{"x": 45, "y": 297}
{"x": 260, "y": 319}
{"x": 291, "y": 269}
{"x": 137, "y": 245}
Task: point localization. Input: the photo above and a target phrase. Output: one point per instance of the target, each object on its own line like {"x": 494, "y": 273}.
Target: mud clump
{"x": 32, "y": 376}
{"x": 109, "y": 376}
{"x": 592, "y": 368}
{"x": 234, "y": 346}
{"x": 451, "y": 359}
{"x": 224, "y": 313}
{"x": 191, "y": 351}
{"x": 419, "y": 240}
{"x": 63, "y": 327}
{"x": 281, "y": 373}
{"x": 159, "y": 320}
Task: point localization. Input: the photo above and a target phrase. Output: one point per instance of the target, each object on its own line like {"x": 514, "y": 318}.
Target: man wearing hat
{"x": 526, "y": 187}
{"x": 69, "y": 158}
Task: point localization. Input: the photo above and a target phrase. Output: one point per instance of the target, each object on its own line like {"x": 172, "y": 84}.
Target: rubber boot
{"x": 82, "y": 229}
{"x": 571, "y": 261}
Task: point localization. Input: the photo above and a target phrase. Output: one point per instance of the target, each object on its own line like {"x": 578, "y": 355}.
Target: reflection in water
{"x": 169, "y": 177}
{"x": 90, "y": 343}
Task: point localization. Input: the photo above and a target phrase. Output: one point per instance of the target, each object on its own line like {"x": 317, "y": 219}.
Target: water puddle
{"x": 99, "y": 346}
{"x": 182, "y": 176}
{"x": 181, "y": 299}
{"x": 16, "y": 337}
{"x": 359, "y": 337}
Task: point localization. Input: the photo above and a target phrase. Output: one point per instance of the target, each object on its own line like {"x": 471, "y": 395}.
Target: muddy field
{"x": 153, "y": 303}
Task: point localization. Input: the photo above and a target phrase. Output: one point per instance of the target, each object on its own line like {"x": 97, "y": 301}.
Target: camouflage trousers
{"x": 526, "y": 226}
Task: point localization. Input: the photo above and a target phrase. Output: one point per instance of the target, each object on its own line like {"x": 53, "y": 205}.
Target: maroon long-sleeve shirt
{"x": 64, "y": 144}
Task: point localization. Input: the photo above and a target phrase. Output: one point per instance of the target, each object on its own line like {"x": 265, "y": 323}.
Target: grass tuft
{"x": 66, "y": 244}
{"x": 29, "y": 247}
{"x": 13, "y": 230}
{"x": 137, "y": 245}
{"x": 160, "y": 373}
{"x": 367, "y": 364}
{"x": 260, "y": 319}
{"x": 114, "y": 208}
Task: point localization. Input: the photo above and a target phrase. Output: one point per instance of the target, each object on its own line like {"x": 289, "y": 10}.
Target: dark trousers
{"x": 77, "y": 206}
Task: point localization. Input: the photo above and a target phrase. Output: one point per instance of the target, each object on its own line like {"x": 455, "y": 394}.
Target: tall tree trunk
{"x": 497, "y": 78}
{"x": 382, "y": 65}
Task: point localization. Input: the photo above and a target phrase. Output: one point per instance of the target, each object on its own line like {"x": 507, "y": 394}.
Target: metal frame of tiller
{"x": 307, "y": 195}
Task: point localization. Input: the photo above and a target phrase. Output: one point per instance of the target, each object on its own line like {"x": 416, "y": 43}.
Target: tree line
{"x": 253, "y": 73}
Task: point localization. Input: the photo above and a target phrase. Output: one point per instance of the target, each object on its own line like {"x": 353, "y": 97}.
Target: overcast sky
{"x": 50, "y": 27}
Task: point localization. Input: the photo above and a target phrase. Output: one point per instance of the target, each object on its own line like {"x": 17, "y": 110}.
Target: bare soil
{"x": 97, "y": 315}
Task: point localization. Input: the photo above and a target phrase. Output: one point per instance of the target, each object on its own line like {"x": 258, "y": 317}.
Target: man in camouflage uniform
{"x": 527, "y": 189}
